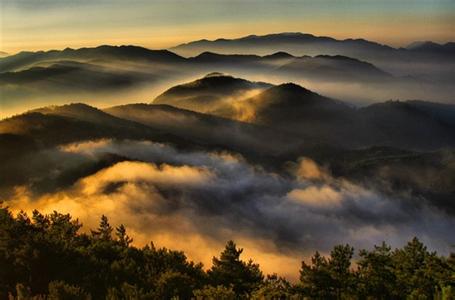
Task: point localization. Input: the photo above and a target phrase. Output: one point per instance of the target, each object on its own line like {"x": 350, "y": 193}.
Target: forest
{"x": 49, "y": 256}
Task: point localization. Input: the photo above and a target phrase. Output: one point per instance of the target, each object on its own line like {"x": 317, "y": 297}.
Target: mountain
{"x": 27, "y": 59}
{"x": 129, "y": 73}
{"x": 409, "y": 125}
{"x": 317, "y": 119}
{"x": 278, "y": 55}
{"x": 287, "y": 107}
{"x": 298, "y": 44}
{"x": 321, "y": 67}
{"x": 292, "y": 108}
{"x": 55, "y": 125}
{"x": 412, "y": 124}
{"x": 429, "y": 46}
{"x": 207, "y": 129}
{"x": 30, "y": 142}
{"x": 217, "y": 58}
{"x": 71, "y": 76}
{"x": 333, "y": 68}
{"x": 3, "y": 54}
{"x": 436, "y": 63}
{"x": 295, "y": 43}
{"x": 86, "y": 74}
{"x": 210, "y": 93}
{"x": 289, "y": 122}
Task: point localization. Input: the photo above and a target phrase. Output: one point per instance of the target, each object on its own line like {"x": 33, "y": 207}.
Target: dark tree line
{"x": 46, "y": 257}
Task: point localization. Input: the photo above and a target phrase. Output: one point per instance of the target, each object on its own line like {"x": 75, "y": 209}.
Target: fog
{"x": 196, "y": 201}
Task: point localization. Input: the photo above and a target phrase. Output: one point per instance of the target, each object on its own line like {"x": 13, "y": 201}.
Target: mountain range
{"x": 297, "y": 43}
{"x": 294, "y": 109}
{"x": 374, "y": 72}
{"x": 295, "y": 103}
{"x": 289, "y": 121}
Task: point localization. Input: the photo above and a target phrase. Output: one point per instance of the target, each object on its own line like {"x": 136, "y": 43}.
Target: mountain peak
{"x": 293, "y": 88}
{"x": 216, "y": 74}
{"x": 278, "y": 55}
{"x": 421, "y": 44}
{"x": 68, "y": 109}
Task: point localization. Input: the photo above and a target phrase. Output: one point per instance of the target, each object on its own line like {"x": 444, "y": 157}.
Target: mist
{"x": 196, "y": 200}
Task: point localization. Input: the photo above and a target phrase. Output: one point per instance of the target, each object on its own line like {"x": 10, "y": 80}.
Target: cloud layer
{"x": 195, "y": 201}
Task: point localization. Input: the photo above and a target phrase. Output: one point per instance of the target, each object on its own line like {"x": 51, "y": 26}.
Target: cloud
{"x": 195, "y": 201}
{"x": 324, "y": 196}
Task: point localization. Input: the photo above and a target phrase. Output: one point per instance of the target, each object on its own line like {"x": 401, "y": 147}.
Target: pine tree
{"x": 315, "y": 278}
{"x": 230, "y": 270}
{"x": 104, "y": 231}
{"x": 375, "y": 272}
{"x": 339, "y": 265}
{"x": 123, "y": 238}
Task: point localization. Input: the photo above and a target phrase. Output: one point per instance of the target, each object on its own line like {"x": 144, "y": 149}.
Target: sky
{"x": 57, "y": 24}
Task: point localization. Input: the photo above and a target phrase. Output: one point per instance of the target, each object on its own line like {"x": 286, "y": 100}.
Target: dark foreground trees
{"x": 46, "y": 257}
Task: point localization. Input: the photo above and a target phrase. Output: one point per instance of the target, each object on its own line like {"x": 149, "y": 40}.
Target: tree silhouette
{"x": 104, "y": 231}
{"x": 46, "y": 257}
{"x": 123, "y": 238}
{"x": 229, "y": 270}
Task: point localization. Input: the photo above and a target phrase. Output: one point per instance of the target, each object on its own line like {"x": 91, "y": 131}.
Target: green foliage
{"x": 339, "y": 268}
{"x": 104, "y": 231}
{"x": 418, "y": 272}
{"x": 123, "y": 238}
{"x": 229, "y": 270}
{"x": 219, "y": 292}
{"x": 316, "y": 280}
{"x": 61, "y": 290}
{"x": 47, "y": 257}
{"x": 375, "y": 275}
{"x": 126, "y": 292}
{"x": 173, "y": 284}
{"x": 274, "y": 288}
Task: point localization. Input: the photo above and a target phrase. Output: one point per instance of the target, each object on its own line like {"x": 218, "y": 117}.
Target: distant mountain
{"x": 278, "y": 55}
{"x": 56, "y": 125}
{"x": 216, "y": 58}
{"x": 298, "y": 44}
{"x": 122, "y": 73}
{"x": 67, "y": 76}
{"x": 444, "y": 113}
{"x": 317, "y": 119}
{"x": 210, "y": 93}
{"x": 321, "y": 67}
{"x": 3, "y": 54}
{"x": 411, "y": 124}
{"x": 428, "y": 46}
{"x": 415, "y": 61}
{"x": 292, "y": 108}
{"x": 207, "y": 129}
{"x": 28, "y": 59}
{"x": 84, "y": 74}
{"x": 294, "y": 43}
{"x": 286, "y": 107}
{"x": 333, "y": 68}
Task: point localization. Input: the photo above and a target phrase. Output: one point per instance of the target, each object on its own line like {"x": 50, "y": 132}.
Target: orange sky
{"x": 51, "y": 24}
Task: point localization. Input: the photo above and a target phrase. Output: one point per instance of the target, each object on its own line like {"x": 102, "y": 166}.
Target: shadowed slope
{"x": 209, "y": 93}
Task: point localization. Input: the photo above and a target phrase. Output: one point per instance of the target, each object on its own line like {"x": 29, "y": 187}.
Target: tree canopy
{"x": 47, "y": 257}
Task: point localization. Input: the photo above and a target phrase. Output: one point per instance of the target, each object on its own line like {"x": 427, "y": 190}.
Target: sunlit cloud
{"x": 195, "y": 201}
